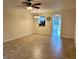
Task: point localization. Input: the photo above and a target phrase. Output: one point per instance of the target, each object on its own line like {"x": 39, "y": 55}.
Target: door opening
{"x": 56, "y": 25}
{"x": 56, "y": 35}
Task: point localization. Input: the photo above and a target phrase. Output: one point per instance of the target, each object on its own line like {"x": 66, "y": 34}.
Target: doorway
{"x": 56, "y": 35}
{"x": 56, "y": 26}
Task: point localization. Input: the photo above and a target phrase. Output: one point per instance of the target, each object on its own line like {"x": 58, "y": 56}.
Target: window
{"x": 41, "y": 21}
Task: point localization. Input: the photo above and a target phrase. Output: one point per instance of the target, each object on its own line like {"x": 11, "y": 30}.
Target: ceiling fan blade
{"x": 37, "y": 4}
{"x": 36, "y": 7}
{"x": 29, "y": 0}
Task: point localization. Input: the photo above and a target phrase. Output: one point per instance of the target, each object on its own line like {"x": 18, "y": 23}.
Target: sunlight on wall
{"x": 56, "y": 35}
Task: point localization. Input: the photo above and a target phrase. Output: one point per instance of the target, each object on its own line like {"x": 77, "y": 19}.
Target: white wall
{"x": 68, "y": 23}
{"x": 17, "y": 23}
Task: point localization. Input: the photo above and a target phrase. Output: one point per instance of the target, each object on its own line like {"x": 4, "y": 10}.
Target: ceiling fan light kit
{"x": 29, "y": 8}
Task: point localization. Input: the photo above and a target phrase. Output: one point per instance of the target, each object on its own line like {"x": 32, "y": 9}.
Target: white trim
{"x": 68, "y": 37}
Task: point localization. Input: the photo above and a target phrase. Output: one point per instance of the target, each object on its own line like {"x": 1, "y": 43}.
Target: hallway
{"x": 38, "y": 46}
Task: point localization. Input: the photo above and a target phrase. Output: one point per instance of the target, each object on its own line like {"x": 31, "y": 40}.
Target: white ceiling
{"x": 46, "y": 4}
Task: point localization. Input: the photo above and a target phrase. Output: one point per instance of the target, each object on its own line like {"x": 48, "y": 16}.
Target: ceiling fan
{"x": 30, "y": 5}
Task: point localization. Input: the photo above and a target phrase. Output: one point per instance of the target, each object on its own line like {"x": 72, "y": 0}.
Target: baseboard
{"x": 16, "y": 38}
{"x": 67, "y": 37}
